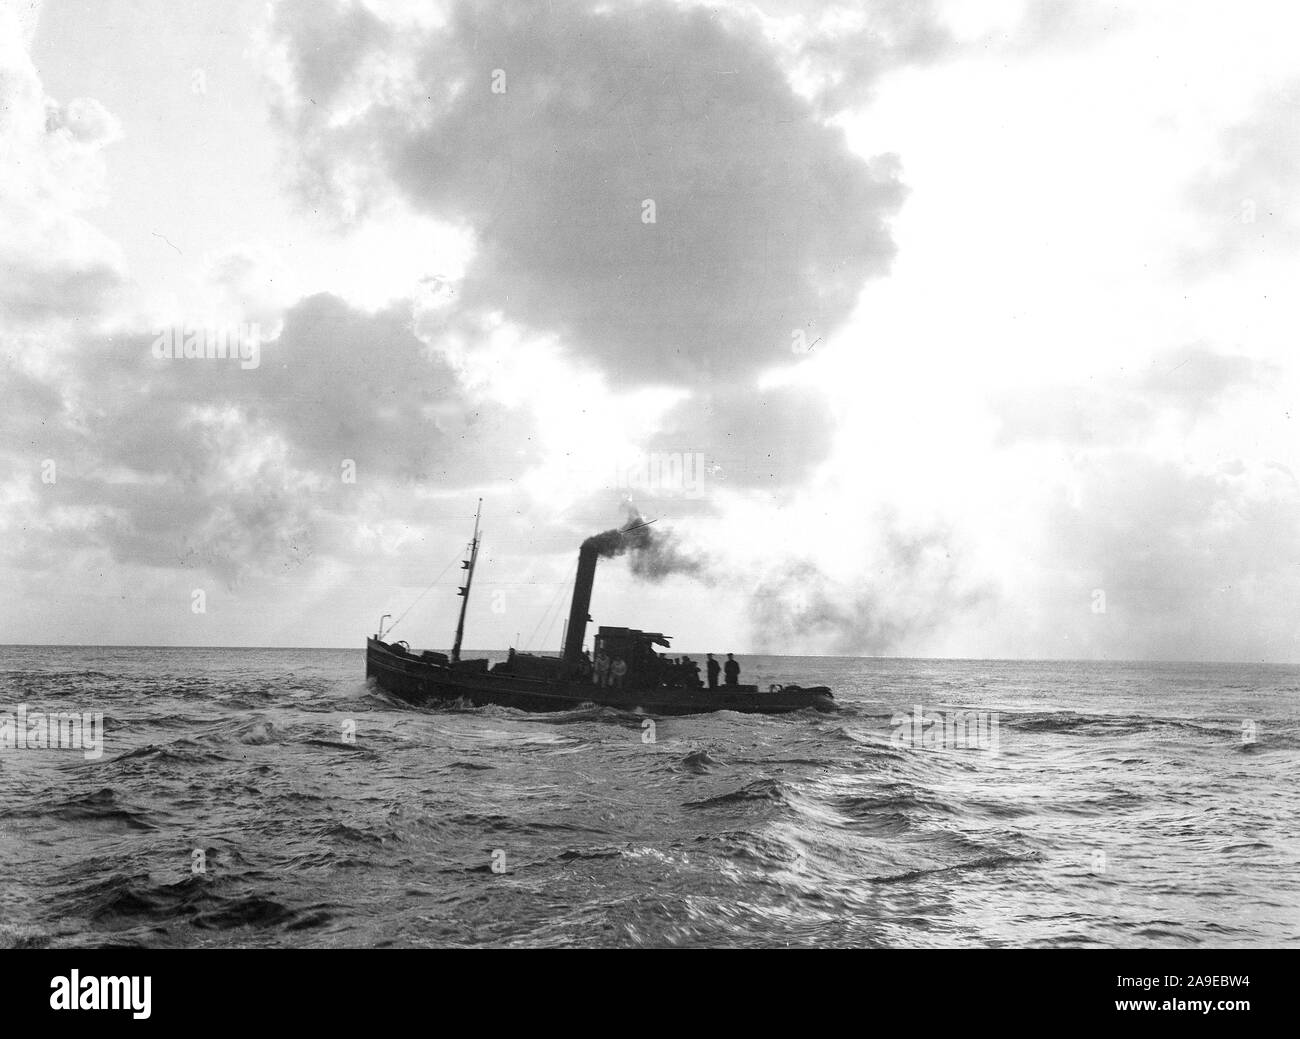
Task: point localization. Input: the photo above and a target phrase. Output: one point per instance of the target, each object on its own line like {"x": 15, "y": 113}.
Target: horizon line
{"x": 826, "y": 656}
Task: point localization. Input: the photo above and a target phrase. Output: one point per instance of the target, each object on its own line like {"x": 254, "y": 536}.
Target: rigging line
{"x": 559, "y": 593}
{"x": 557, "y": 598}
{"x": 421, "y": 595}
{"x": 573, "y": 573}
{"x": 551, "y": 627}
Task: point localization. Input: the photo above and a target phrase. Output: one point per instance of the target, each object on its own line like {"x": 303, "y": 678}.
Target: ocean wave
{"x": 761, "y": 790}
{"x": 698, "y": 762}
{"x": 983, "y": 863}
{"x": 199, "y": 901}
{"x": 101, "y": 808}
{"x": 181, "y": 753}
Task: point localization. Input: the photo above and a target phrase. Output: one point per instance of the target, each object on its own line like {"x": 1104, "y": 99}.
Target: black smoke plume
{"x": 653, "y": 553}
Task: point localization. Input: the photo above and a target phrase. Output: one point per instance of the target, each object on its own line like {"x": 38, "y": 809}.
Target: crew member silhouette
{"x": 691, "y": 672}
{"x": 713, "y": 668}
{"x": 732, "y": 670}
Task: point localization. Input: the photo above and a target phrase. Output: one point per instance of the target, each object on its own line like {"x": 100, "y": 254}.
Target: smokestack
{"x": 586, "y": 577}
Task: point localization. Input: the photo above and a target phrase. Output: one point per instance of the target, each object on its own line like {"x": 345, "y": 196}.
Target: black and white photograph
{"x": 650, "y": 474}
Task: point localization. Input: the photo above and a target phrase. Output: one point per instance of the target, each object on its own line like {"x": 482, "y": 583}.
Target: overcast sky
{"x": 973, "y": 325}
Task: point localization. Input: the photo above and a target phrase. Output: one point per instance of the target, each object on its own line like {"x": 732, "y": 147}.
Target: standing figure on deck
{"x": 713, "y": 667}
{"x": 690, "y": 673}
{"x": 732, "y": 670}
{"x": 602, "y": 669}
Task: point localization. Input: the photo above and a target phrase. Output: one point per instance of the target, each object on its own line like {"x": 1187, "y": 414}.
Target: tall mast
{"x": 467, "y": 564}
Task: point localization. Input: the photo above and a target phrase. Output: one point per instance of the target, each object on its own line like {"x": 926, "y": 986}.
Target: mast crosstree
{"x": 467, "y": 564}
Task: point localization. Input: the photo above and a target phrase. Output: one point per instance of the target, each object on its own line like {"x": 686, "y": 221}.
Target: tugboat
{"x": 628, "y": 673}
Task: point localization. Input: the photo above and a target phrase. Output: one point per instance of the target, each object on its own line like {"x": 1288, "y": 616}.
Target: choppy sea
{"x": 249, "y": 797}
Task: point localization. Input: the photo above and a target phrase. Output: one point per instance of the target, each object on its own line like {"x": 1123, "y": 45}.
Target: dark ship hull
{"x": 626, "y": 671}
{"x": 419, "y": 680}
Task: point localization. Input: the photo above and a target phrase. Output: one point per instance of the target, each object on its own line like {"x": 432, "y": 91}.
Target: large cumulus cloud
{"x": 55, "y": 263}
{"x": 765, "y": 221}
{"x": 201, "y": 462}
